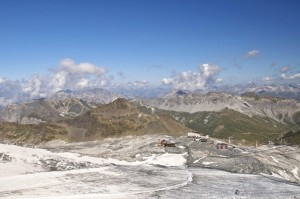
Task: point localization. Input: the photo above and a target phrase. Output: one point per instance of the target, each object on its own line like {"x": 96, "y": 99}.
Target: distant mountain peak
{"x": 181, "y": 92}
{"x": 68, "y": 91}
{"x": 249, "y": 103}
{"x": 120, "y": 103}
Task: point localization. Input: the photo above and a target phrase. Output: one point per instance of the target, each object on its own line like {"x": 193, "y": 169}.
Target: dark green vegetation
{"x": 257, "y": 97}
{"x": 81, "y": 122}
{"x": 290, "y": 138}
{"x": 296, "y": 118}
{"x": 229, "y": 123}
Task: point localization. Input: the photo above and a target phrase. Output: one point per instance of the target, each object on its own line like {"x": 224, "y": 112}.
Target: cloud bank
{"x": 70, "y": 75}
{"x": 11, "y": 91}
{"x": 67, "y": 75}
{"x": 290, "y": 77}
{"x": 71, "y": 67}
{"x": 267, "y": 79}
{"x": 284, "y": 73}
{"x": 252, "y": 53}
{"x": 189, "y": 80}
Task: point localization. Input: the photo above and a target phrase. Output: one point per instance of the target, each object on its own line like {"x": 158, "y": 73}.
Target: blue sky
{"x": 148, "y": 42}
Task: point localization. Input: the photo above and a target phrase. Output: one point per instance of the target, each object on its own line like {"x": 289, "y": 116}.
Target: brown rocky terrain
{"x": 118, "y": 118}
{"x": 122, "y": 117}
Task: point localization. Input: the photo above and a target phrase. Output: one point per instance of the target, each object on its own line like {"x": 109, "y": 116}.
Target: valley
{"x": 149, "y": 99}
{"x": 66, "y": 147}
{"x": 247, "y": 118}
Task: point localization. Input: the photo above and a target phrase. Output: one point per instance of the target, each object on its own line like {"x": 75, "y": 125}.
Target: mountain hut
{"x": 222, "y": 146}
{"x": 167, "y": 143}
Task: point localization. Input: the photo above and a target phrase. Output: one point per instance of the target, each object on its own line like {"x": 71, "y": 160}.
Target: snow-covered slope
{"x": 78, "y": 170}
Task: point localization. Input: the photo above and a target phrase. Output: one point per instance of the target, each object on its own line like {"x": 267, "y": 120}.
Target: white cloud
{"x": 138, "y": 83}
{"x": 2, "y": 80}
{"x": 295, "y": 76}
{"x": 190, "y": 80}
{"x": 141, "y": 82}
{"x": 219, "y": 80}
{"x": 252, "y": 53}
{"x": 11, "y": 91}
{"x": 58, "y": 81}
{"x": 4, "y": 101}
{"x": 267, "y": 79}
{"x": 283, "y": 76}
{"x": 209, "y": 71}
{"x": 72, "y": 75}
{"x": 70, "y": 66}
{"x": 82, "y": 83}
{"x": 285, "y": 69}
{"x": 67, "y": 75}
{"x": 33, "y": 86}
{"x": 166, "y": 81}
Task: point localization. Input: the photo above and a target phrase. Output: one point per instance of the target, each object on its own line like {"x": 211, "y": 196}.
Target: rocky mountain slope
{"x": 247, "y": 117}
{"x": 230, "y": 123}
{"x": 118, "y": 118}
{"x": 44, "y": 110}
{"x": 291, "y": 90}
{"x": 32, "y": 133}
{"x": 286, "y": 90}
{"x": 278, "y": 109}
{"x": 61, "y": 105}
{"x": 122, "y": 117}
{"x": 97, "y": 95}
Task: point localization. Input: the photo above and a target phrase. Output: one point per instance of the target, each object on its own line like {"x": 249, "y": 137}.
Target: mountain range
{"x": 246, "y": 117}
{"x": 105, "y": 95}
{"x": 76, "y": 120}
{"x": 278, "y": 109}
{"x": 97, "y": 113}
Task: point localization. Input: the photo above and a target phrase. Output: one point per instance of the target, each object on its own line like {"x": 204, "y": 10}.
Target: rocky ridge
{"x": 44, "y": 110}
{"x": 278, "y": 109}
